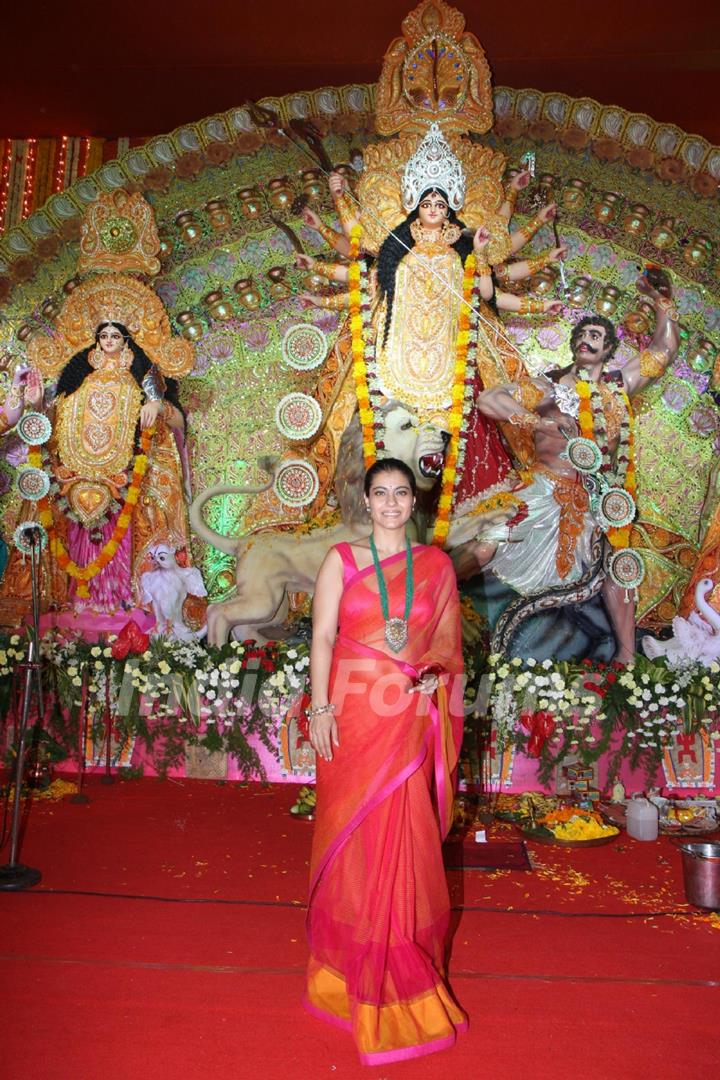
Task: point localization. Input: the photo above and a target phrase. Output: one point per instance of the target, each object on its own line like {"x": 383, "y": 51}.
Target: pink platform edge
{"x": 90, "y": 624}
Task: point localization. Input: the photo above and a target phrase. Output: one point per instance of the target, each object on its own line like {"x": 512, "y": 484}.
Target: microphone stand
{"x": 13, "y": 875}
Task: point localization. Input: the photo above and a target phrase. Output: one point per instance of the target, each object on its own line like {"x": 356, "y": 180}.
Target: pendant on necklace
{"x": 396, "y": 633}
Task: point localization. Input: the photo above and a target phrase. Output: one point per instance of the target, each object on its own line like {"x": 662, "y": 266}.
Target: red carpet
{"x": 566, "y": 971}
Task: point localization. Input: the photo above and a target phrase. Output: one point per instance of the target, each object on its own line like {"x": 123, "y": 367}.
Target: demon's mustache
{"x": 589, "y": 348}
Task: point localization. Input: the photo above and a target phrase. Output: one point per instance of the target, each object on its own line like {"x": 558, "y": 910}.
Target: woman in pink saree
{"x": 386, "y": 723}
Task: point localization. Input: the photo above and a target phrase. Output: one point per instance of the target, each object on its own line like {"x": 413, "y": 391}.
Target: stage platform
{"x": 166, "y": 939}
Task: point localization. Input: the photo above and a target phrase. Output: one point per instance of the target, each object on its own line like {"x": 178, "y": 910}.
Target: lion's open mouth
{"x": 431, "y": 465}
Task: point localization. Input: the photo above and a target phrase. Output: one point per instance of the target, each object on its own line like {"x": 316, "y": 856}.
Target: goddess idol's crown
{"x": 433, "y": 165}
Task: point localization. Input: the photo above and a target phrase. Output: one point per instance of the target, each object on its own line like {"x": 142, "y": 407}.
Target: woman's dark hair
{"x": 389, "y": 464}
{"x": 78, "y": 368}
{"x": 611, "y": 337}
{"x": 394, "y": 248}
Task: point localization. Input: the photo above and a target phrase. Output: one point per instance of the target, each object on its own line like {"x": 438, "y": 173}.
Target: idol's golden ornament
{"x": 435, "y": 72}
{"x": 380, "y": 190}
{"x": 119, "y": 233}
{"x": 111, "y": 298}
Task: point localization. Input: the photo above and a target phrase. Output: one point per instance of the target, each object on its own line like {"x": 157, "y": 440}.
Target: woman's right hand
{"x": 309, "y": 299}
{"x": 520, "y": 180}
{"x": 324, "y": 734}
{"x": 481, "y": 239}
{"x": 310, "y": 218}
{"x": 336, "y": 183}
{"x": 306, "y": 262}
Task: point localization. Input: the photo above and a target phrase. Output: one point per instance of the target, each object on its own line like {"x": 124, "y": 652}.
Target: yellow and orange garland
{"x": 367, "y": 420}
{"x": 449, "y": 475}
{"x": 84, "y": 574}
{"x": 465, "y": 337}
{"x": 619, "y": 538}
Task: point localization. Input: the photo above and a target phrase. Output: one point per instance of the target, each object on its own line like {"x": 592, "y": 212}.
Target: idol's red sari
{"x": 379, "y": 906}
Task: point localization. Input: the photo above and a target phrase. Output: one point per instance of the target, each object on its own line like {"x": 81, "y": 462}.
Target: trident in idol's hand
{"x": 527, "y": 161}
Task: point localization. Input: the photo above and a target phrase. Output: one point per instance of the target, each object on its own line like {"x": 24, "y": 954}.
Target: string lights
{"x": 59, "y": 175}
{"x": 84, "y": 155}
{"x": 29, "y": 185}
{"x": 5, "y": 179}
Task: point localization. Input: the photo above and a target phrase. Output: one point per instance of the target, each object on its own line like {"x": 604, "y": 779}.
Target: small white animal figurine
{"x": 166, "y": 589}
{"x": 694, "y": 638}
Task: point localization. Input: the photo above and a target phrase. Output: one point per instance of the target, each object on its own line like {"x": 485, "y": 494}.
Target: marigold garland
{"x": 367, "y": 419}
{"x": 84, "y": 574}
{"x": 589, "y": 414}
{"x": 467, "y": 322}
{"x": 461, "y": 390}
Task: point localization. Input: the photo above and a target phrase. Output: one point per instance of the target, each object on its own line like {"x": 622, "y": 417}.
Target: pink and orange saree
{"x": 379, "y": 907}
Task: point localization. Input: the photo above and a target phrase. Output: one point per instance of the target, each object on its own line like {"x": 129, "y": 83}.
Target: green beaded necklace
{"x": 396, "y": 629}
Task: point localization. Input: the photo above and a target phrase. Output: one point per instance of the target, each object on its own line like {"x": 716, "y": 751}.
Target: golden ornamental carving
{"x": 380, "y": 190}
{"x": 434, "y": 72}
{"x": 96, "y": 425}
{"x": 114, "y": 298}
{"x": 119, "y": 233}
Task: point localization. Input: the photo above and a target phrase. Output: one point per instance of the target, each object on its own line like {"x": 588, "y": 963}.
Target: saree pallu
{"x": 379, "y": 906}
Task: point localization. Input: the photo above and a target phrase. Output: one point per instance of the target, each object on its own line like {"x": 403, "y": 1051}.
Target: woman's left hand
{"x": 481, "y": 239}
{"x": 520, "y": 180}
{"x": 34, "y": 389}
{"x": 149, "y": 413}
{"x": 428, "y": 684}
{"x": 548, "y": 213}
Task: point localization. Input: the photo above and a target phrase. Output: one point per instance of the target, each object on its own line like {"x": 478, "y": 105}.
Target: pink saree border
{"x": 321, "y": 1014}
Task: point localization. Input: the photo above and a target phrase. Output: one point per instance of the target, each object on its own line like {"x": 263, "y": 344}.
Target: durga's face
{"x": 432, "y": 211}
{"x": 110, "y": 340}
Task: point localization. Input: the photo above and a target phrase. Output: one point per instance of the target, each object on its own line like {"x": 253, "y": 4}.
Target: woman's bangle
{"x": 531, "y": 306}
{"x": 524, "y": 420}
{"x": 319, "y": 710}
{"x": 330, "y": 236}
{"x": 530, "y": 227}
{"x": 323, "y": 269}
{"x": 15, "y": 396}
{"x": 482, "y": 269}
{"x": 538, "y": 262}
{"x": 668, "y": 307}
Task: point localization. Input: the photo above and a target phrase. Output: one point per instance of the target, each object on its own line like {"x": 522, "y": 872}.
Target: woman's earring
{"x": 367, "y": 507}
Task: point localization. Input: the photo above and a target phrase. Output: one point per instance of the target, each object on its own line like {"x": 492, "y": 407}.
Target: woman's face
{"x": 390, "y": 500}
{"x": 111, "y": 340}
{"x": 432, "y": 211}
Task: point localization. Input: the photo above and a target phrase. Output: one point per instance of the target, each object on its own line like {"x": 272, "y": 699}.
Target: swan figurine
{"x": 694, "y": 638}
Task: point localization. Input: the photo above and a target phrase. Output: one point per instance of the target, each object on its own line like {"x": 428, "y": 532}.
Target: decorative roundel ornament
{"x": 304, "y": 346}
{"x": 584, "y": 455}
{"x": 25, "y": 536}
{"x": 616, "y": 508}
{"x": 118, "y": 234}
{"x": 298, "y": 416}
{"x": 34, "y": 428}
{"x": 296, "y": 483}
{"x": 32, "y": 483}
{"x": 626, "y": 567}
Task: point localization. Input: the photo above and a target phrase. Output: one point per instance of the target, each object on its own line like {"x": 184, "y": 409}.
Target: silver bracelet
{"x": 312, "y": 713}
{"x": 151, "y": 386}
